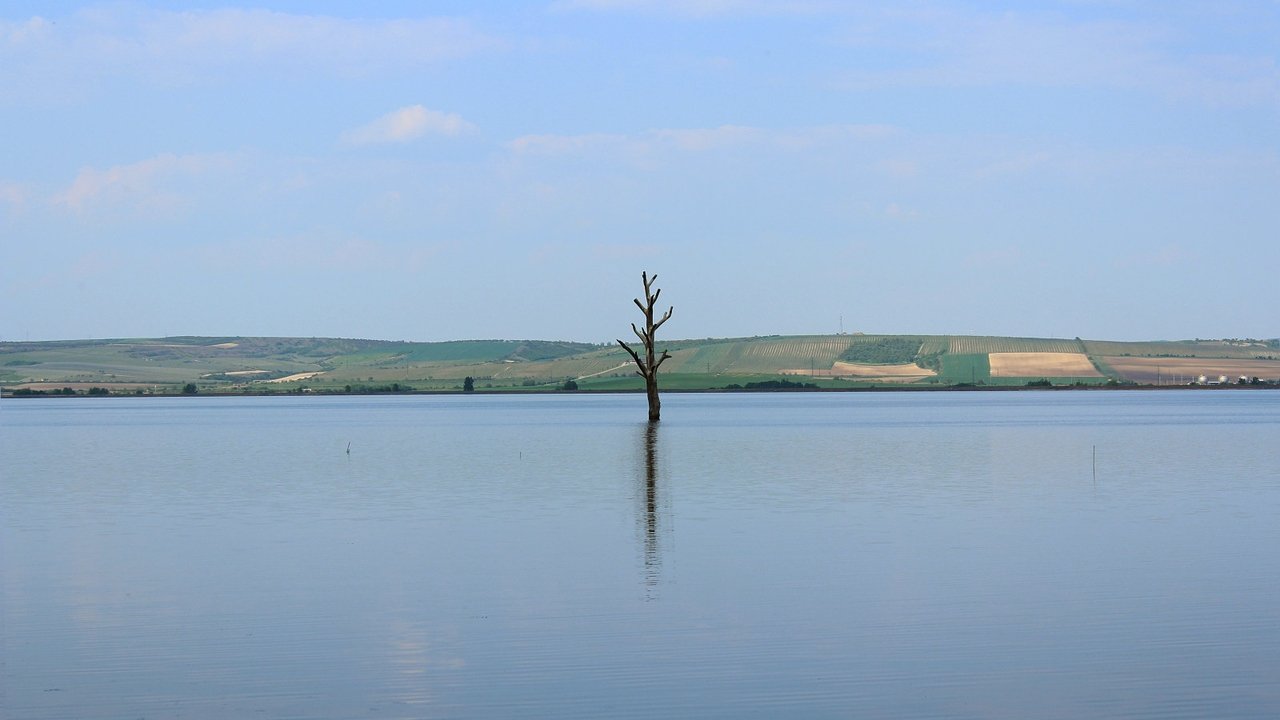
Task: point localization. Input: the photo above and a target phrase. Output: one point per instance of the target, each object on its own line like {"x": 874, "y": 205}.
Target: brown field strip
{"x": 1182, "y": 371}
{"x": 1041, "y": 364}
{"x": 907, "y": 372}
{"x": 295, "y": 377}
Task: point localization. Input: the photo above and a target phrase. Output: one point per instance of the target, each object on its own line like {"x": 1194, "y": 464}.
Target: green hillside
{"x": 266, "y": 365}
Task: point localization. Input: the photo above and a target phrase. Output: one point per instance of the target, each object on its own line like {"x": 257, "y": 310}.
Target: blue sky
{"x": 437, "y": 171}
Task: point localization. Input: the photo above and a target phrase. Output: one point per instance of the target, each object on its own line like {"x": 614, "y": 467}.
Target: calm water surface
{"x": 895, "y": 555}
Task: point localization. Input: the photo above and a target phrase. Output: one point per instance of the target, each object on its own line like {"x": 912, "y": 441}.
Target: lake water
{"x": 878, "y": 555}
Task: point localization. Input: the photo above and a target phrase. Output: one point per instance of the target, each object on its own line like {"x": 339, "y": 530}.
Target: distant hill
{"x": 257, "y": 364}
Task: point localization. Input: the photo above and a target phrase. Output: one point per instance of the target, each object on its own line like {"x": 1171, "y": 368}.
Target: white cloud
{"x": 407, "y": 124}
{"x": 147, "y": 184}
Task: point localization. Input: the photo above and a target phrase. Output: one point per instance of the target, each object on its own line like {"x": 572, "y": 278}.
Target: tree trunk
{"x": 647, "y": 367}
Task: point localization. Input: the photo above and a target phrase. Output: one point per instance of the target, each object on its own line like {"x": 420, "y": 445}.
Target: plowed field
{"x": 1042, "y": 364}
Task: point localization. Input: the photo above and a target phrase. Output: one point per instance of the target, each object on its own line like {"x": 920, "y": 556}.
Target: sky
{"x": 1108, "y": 169}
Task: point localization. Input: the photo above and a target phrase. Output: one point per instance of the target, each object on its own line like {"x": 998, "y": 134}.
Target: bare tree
{"x": 647, "y": 366}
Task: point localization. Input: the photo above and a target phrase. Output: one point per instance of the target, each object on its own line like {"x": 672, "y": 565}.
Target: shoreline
{"x": 8, "y": 394}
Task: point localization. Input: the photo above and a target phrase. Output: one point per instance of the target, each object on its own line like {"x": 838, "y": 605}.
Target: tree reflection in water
{"x": 648, "y": 496}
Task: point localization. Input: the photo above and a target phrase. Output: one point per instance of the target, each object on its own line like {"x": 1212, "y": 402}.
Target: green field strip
{"x": 971, "y": 368}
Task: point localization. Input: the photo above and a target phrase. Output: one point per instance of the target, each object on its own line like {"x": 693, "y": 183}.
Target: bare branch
{"x": 633, "y": 354}
{"x": 658, "y": 363}
{"x": 665, "y": 318}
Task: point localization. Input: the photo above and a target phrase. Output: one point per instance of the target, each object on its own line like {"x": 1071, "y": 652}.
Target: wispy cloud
{"x": 895, "y": 211}
{"x": 346, "y": 44}
{"x": 13, "y": 194}
{"x": 146, "y": 184}
{"x": 409, "y": 123}
{"x": 939, "y": 46}
{"x": 551, "y": 144}
{"x": 702, "y": 8}
{"x": 14, "y": 35}
{"x": 1019, "y": 164}
{"x": 182, "y": 47}
{"x": 696, "y": 140}
{"x": 1167, "y": 255}
{"x": 625, "y": 251}
{"x": 75, "y": 271}
{"x": 939, "y": 43}
{"x": 319, "y": 250}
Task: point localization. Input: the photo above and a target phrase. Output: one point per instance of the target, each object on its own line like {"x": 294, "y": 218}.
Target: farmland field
{"x": 1241, "y": 349}
{"x": 774, "y": 354}
{"x": 974, "y": 344}
{"x": 1041, "y": 364}
{"x": 956, "y": 369}
{"x": 899, "y": 373}
{"x": 1181, "y": 371}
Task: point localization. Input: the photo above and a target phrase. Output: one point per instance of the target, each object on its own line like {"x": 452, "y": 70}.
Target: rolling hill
{"x": 264, "y": 365}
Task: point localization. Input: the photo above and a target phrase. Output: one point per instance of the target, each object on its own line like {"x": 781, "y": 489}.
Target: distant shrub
{"x": 569, "y": 385}
{"x": 932, "y": 361}
{"x": 885, "y": 351}
{"x": 189, "y": 389}
{"x": 780, "y": 385}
